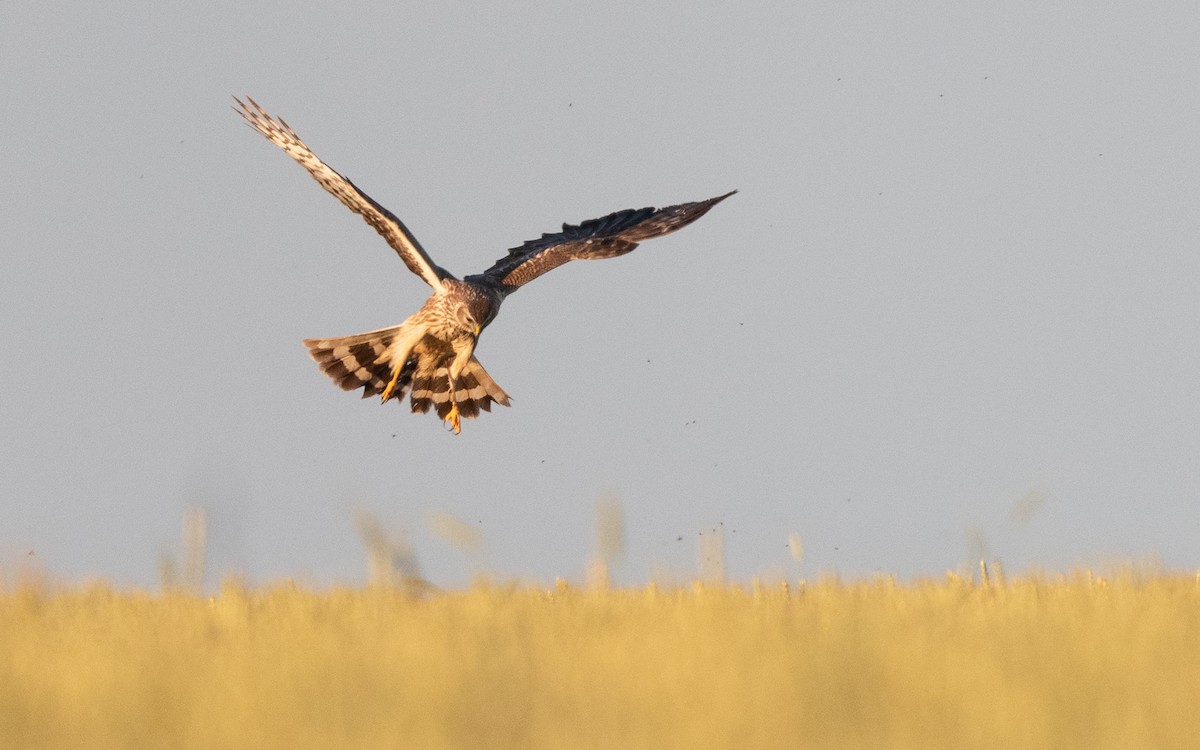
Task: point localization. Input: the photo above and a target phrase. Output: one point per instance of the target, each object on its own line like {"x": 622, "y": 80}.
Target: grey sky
{"x": 962, "y": 268}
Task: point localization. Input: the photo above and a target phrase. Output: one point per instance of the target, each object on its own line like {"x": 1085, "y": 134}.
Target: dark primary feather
{"x": 606, "y": 237}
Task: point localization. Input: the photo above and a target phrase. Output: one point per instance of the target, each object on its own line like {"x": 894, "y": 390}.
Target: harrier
{"x": 432, "y": 354}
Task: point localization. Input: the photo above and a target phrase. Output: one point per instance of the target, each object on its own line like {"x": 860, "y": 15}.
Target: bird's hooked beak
{"x": 477, "y": 330}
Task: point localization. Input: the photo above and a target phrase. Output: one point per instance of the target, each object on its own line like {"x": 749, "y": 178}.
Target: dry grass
{"x": 1079, "y": 662}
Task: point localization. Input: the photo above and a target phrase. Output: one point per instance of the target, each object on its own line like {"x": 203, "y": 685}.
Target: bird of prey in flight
{"x": 432, "y": 354}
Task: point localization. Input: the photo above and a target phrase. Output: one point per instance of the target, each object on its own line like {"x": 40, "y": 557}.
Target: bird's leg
{"x": 391, "y": 386}
{"x": 400, "y": 349}
{"x": 461, "y": 357}
{"x": 453, "y": 416}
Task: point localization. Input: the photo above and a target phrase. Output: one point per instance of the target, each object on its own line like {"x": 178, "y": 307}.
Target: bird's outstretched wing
{"x": 607, "y": 237}
{"x": 392, "y": 229}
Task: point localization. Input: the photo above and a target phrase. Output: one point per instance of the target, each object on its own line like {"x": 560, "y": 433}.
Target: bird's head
{"x": 474, "y": 314}
{"x": 466, "y": 321}
{"x": 469, "y": 307}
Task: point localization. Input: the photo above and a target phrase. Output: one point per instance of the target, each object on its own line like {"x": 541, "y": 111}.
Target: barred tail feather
{"x": 363, "y": 360}
{"x": 476, "y": 391}
{"x": 481, "y": 379}
{"x": 367, "y": 361}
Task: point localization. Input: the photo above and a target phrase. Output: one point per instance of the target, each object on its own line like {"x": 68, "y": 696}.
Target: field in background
{"x": 1074, "y": 662}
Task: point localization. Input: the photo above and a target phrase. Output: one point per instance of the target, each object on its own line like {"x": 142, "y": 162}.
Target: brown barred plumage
{"x": 363, "y": 361}
{"x": 431, "y": 354}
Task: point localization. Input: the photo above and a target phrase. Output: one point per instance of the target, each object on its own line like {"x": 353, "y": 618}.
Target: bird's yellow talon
{"x": 453, "y": 419}
{"x": 387, "y": 392}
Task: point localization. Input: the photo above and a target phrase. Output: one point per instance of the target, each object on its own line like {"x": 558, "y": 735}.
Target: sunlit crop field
{"x": 1074, "y": 662}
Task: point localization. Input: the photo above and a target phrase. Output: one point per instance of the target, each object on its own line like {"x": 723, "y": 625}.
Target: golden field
{"x": 1080, "y": 661}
